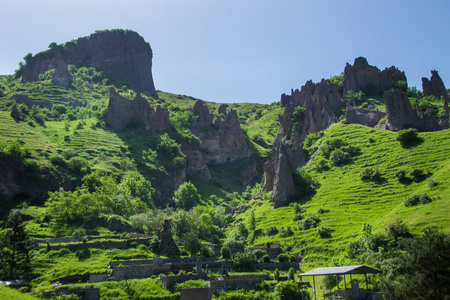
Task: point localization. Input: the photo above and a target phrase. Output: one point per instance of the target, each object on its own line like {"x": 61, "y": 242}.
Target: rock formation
{"x": 121, "y": 112}
{"x": 399, "y": 111}
{"x": 15, "y": 114}
{"x": 362, "y": 116}
{"x": 435, "y": 87}
{"x": 62, "y": 76}
{"x": 321, "y": 102}
{"x": 369, "y": 79}
{"x": 29, "y": 102}
{"x": 167, "y": 245}
{"x": 123, "y": 54}
{"x": 221, "y": 142}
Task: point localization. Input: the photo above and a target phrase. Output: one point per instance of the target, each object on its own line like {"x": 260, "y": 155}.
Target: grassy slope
{"x": 12, "y": 294}
{"x": 352, "y": 201}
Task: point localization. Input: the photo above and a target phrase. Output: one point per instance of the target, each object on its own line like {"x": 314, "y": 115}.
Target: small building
{"x": 355, "y": 292}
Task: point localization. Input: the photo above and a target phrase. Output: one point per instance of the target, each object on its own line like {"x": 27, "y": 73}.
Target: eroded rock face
{"x": 283, "y": 183}
{"x": 321, "y": 102}
{"x": 399, "y": 111}
{"x": 124, "y": 54}
{"x": 62, "y": 76}
{"x": 121, "y": 112}
{"x": 364, "y": 117}
{"x": 221, "y": 142}
{"x": 167, "y": 245}
{"x": 435, "y": 87}
{"x": 369, "y": 79}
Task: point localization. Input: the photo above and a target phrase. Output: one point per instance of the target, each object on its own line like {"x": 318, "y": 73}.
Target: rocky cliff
{"x": 221, "y": 142}
{"x": 316, "y": 106}
{"x": 369, "y": 79}
{"x": 121, "y": 112}
{"x": 435, "y": 87}
{"x": 124, "y": 54}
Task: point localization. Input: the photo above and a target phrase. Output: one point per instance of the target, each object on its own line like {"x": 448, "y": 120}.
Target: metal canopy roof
{"x": 362, "y": 269}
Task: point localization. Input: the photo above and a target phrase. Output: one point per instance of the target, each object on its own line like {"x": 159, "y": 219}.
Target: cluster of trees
{"x": 414, "y": 267}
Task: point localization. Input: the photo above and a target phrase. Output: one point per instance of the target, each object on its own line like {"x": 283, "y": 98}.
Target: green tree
{"x": 192, "y": 243}
{"x": 186, "y": 196}
{"x": 422, "y": 271}
{"x": 225, "y": 252}
{"x": 134, "y": 184}
{"x": 15, "y": 247}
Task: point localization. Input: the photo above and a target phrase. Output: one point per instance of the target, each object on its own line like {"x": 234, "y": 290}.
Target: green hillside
{"x": 348, "y": 201}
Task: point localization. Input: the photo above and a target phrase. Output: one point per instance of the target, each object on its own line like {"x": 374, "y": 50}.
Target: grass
{"x": 352, "y": 202}
{"x": 12, "y": 294}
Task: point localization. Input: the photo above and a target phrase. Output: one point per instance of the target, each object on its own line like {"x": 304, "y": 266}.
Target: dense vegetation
{"x": 368, "y": 196}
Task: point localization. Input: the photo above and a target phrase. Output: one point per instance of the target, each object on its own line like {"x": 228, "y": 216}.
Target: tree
{"x": 192, "y": 243}
{"x": 135, "y": 185}
{"x": 225, "y": 252}
{"x": 186, "y": 196}
{"x": 15, "y": 246}
{"x": 422, "y": 271}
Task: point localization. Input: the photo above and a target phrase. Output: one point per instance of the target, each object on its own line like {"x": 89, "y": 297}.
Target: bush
{"x": 407, "y": 136}
{"x": 416, "y": 199}
{"x": 79, "y": 234}
{"x": 322, "y": 210}
{"x": 310, "y": 221}
{"x": 77, "y": 164}
{"x": 244, "y": 260}
{"x": 283, "y": 257}
{"x": 225, "y": 252}
{"x": 186, "y": 196}
{"x": 397, "y": 229}
{"x": 266, "y": 258}
{"x": 206, "y": 251}
{"x": 338, "y": 157}
{"x": 297, "y": 217}
{"x": 271, "y": 230}
{"x": 304, "y": 183}
{"x": 288, "y": 290}
{"x": 286, "y": 232}
{"x": 419, "y": 175}
{"x": 370, "y": 174}
{"x": 58, "y": 160}
{"x": 401, "y": 175}
{"x": 293, "y": 259}
{"x": 320, "y": 165}
{"x": 324, "y": 232}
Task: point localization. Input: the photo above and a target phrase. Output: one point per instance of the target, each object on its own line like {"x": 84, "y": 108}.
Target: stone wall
{"x": 240, "y": 282}
{"x": 170, "y": 281}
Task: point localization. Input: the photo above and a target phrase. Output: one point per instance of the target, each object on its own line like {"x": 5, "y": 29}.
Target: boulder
{"x": 167, "y": 245}
{"x": 222, "y": 109}
{"x": 122, "y": 53}
{"x": 364, "y": 117}
{"x": 15, "y": 114}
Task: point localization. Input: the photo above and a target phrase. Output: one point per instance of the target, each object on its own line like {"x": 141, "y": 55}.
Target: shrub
{"x": 304, "y": 183}
{"x": 271, "y": 230}
{"x": 320, "y": 165}
{"x": 79, "y": 234}
{"x": 416, "y": 199}
{"x": 289, "y": 290}
{"x": 322, "y": 210}
{"x": 260, "y": 253}
{"x": 397, "y": 229}
{"x": 419, "y": 174}
{"x": 283, "y": 257}
{"x": 324, "y": 232}
{"x": 370, "y": 174}
{"x": 206, "y": 251}
{"x": 293, "y": 259}
{"x": 266, "y": 258}
{"x": 338, "y": 157}
{"x": 310, "y": 221}
{"x": 407, "y": 136}
{"x": 77, "y": 164}
{"x": 297, "y": 217}
{"x": 186, "y": 196}
{"x": 244, "y": 260}
{"x": 401, "y": 175}
{"x": 58, "y": 160}
{"x": 225, "y": 252}
{"x": 286, "y": 232}
{"x": 276, "y": 274}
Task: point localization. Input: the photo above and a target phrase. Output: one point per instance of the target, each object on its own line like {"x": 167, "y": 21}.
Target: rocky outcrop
{"x": 283, "y": 183}
{"x": 321, "y": 102}
{"x": 62, "y": 76}
{"x": 29, "y": 102}
{"x": 435, "y": 87}
{"x": 15, "y": 114}
{"x": 222, "y": 109}
{"x": 362, "y": 116}
{"x": 399, "y": 111}
{"x": 123, "y": 54}
{"x": 220, "y": 142}
{"x": 369, "y": 79}
{"x": 122, "y": 112}
{"x": 167, "y": 245}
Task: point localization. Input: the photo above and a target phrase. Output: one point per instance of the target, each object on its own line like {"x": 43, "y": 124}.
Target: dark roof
{"x": 341, "y": 271}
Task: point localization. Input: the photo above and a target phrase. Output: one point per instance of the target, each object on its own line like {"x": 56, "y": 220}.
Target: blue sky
{"x": 244, "y": 51}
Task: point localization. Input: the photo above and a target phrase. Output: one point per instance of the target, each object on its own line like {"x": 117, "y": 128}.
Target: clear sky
{"x": 246, "y": 50}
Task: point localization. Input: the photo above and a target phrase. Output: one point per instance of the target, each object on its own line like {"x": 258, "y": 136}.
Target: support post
{"x": 345, "y": 287}
{"x": 314, "y": 283}
{"x": 367, "y": 284}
